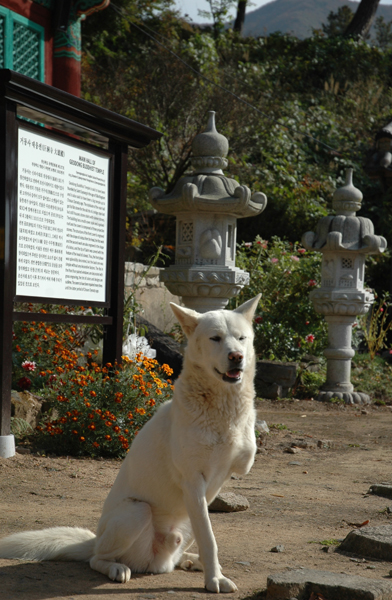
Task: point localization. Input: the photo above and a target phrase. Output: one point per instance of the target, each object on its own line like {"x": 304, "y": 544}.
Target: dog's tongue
{"x": 234, "y": 374}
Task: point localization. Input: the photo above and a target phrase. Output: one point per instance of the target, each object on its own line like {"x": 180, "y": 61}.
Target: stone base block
{"x": 370, "y": 542}
{"x": 301, "y": 583}
{"x": 274, "y": 379}
{"x": 7, "y": 446}
{"x": 347, "y": 397}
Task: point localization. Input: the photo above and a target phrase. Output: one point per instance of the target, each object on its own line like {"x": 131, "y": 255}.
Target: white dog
{"x": 176, "y": 465}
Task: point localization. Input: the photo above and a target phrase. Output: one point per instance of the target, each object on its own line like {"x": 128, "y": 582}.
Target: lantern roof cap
{"x": 347, "y": 199}
{"x": 209, "y": 149}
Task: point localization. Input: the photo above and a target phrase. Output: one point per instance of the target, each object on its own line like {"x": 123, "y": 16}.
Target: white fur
{"x": 176, "y": 465}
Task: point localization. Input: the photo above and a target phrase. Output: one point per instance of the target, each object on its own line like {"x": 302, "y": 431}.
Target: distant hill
{"x": 298, "y": 17}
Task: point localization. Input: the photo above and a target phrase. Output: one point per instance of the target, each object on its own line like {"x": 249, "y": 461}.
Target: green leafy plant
{"x": 375, "y": 326}
{"x": 286, "y": 324}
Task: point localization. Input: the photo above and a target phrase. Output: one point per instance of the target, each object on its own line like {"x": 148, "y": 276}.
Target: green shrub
{"x": 286, "y": 324}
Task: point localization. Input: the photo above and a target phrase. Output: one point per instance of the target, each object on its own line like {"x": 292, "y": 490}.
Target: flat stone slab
{"x": 381, "y": 489}
{"x": 229, "y": 502}
{"x": 371, "y": 542}
{"x": 301, "y": 583}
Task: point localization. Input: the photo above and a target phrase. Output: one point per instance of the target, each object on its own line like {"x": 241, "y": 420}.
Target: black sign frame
{"x": 22, "y": 97}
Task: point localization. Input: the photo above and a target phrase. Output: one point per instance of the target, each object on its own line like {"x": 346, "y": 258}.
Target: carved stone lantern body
{"x": 206, "y": 205}
{"x": 344, "y": 240}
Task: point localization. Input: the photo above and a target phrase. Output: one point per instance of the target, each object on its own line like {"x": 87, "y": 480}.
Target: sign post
{"x": 63, "y": 174}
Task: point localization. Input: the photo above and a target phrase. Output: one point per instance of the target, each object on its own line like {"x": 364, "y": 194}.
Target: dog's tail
{"x": 56, "y": 543}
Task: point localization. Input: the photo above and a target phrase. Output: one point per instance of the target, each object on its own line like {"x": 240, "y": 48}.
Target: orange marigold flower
{"x": 92, "y": 393}
{"x": 75, "y": 432}
{"x": 82, "y": 439}
{"x": 108, "y": 437}
{"x": 108, "y": 423}
{"x": 95, "y": 444}
{"x": 116, "y": 428}
{"x": 141, "y": 411}
{"x": 91, "y": 426}
{"x": 87, "y": 404}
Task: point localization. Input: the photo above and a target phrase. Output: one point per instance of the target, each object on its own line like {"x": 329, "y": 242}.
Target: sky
{"x": 191, "y": 7}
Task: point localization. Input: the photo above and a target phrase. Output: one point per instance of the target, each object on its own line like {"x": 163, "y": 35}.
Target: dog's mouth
{"x": 232, "y": 376}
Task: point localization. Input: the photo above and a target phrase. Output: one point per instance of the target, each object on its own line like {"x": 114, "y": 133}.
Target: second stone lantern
{"x": 206, "y": 205}
{"x": 344, "y": 241}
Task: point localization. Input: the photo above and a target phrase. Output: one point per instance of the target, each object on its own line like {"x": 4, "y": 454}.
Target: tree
{"x": 219, "y": 11}
{"x": 363, "y": 19}
{"x": 338, "y": 21}
{"x": 240, "y": 18}
{"x": 383, "y": 33}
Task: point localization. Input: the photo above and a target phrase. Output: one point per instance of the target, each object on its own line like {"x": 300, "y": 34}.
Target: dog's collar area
{"x": 231, "y": 376}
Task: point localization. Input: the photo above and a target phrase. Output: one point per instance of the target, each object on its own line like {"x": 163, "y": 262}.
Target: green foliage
{"x": 20, "y": 428}
{"x": 338, "y": 21}
{"x": 219, "y": 12}
{"x": 97, "y": 411}
{"x": 308, "y": 383}
{"x": 383, "y": 33}
{"x": 302, "y": 92}
{"x": 286, "y": 325}
{"x": 375, "y": 326}
{"x": 373, "y": 377}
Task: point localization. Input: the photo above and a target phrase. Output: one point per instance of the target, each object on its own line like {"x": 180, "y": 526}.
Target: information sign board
{"x": 62, "y": 219}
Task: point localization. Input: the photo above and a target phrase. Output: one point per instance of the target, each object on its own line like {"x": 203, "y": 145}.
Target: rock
{"x": 371, "y": 542}
{"x": 301, "y": 583}
{"x": 381, "y": 489}
{"x": 326, "y": 444}
{"x": 22, "y": 450}
{"x": 262, "y": 427}
{"x": 229, "y": 502}
{"x": 278, "y": 548}
{"x": 27, "y": 406}
{"x": 274, "y": 379}
{"x": 167, "y": 349}
{"x": 292, "y": 450}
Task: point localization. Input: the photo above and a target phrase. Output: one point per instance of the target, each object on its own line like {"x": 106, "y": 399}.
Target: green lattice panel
{"x": 26, "y": 51}
{"x": 2, "y": 42}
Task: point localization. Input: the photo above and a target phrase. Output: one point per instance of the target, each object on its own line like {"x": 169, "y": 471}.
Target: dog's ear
{"x": 187, "y": 318}
{"x": 248, "y": 308}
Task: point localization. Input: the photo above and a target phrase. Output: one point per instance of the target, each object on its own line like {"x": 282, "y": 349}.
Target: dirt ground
{"x": 297, "y": 500}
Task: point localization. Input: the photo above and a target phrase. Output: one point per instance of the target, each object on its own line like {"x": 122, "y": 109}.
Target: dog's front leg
{"x": 195, "y": 501}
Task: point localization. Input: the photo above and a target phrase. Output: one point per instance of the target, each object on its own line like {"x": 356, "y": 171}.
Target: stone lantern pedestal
{"x": 207, "y": 205}
{"x": 344, "y": 240}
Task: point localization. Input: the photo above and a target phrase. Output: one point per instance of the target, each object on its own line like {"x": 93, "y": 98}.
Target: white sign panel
{"x": 62, "y": 235}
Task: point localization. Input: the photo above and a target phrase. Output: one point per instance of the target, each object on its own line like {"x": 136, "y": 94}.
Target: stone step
{"x": 370, "y": 542}
{"x": 300, "y": 584}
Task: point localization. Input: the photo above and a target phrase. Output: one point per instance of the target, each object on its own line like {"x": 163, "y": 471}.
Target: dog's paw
{"x": 220, "y": 584}
{"x": 191, "y": 565}
{"x": 119, "y": 572}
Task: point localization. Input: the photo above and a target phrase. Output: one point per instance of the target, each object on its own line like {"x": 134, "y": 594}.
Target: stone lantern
{"x": 206, "y": 205}
{"x": 344, "y": 240}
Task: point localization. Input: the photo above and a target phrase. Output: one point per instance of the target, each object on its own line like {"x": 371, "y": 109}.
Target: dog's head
{"x": 220, "y": 342}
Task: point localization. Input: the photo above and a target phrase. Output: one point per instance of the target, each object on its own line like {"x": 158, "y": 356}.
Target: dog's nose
{"x": 236, "y": 357}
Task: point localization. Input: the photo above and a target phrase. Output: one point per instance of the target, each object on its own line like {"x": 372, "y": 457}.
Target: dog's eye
{"x": 216, "y": 338}
{"x": 242, "y": 338}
